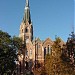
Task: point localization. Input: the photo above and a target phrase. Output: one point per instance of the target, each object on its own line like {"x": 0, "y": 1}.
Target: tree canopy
{"x": 8, "y": 52}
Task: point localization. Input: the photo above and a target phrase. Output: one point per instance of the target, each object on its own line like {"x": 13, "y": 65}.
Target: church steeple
{"x": 27, "y": 3}
{"x": 27, "y": 13}
{"x": 26, "y": 27}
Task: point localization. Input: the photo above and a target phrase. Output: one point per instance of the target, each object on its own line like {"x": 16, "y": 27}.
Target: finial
{"x": 27, "y": 3}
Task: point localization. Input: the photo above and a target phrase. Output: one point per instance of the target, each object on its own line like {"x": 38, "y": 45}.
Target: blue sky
{"x": 49, "y": 17}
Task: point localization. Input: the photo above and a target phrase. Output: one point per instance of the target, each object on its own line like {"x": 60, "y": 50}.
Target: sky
{"x": 49, "y": 17}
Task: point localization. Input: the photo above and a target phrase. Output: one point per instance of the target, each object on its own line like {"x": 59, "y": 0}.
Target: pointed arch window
{"x": 48, "y": 49}
{"x": 26, "y": 30}
{"x": 44, "y": 52}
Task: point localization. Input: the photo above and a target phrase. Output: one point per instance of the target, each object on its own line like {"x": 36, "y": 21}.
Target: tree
{"x": 70, "y": 47}
{"x": 17, "y": 41}
{"x": 68, "y": 53}
{"x": 54, "y": 64}
{"x": 53, "y": 60}
{"x": 8, "y": 54}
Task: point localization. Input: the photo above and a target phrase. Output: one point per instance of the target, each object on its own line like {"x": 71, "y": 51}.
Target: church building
{"x": 35, "y": 49}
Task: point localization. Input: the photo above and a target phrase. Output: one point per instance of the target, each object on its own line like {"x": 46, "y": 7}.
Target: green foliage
{"x": 68, "y": 54}
{"x": 8, "y": 53}
{"x": 17, "y": 41}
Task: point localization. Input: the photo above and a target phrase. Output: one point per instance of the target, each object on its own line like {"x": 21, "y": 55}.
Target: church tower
{"x": 26, "y": 28}
{"x": 26, "y": 32}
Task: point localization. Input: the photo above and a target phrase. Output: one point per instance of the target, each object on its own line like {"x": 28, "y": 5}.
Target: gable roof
{"x": 48, "y": 40}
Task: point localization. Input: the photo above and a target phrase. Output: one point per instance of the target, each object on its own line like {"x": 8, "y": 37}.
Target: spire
{"x": 27, "y": 13}
{"x": 27, "y": 3}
